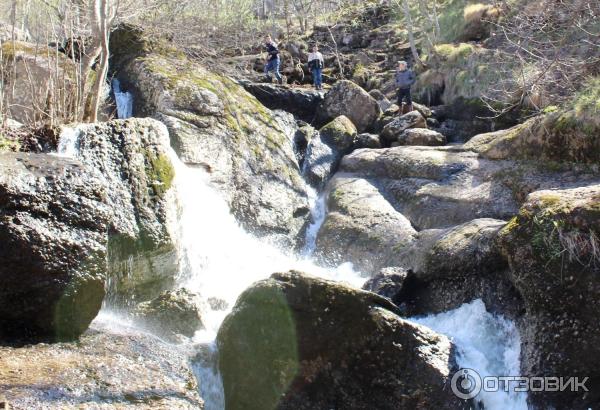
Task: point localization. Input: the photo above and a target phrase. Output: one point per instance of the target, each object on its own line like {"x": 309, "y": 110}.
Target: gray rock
{"x": 361, "y": 227}
{"x": 552, "y": 247}
{"x": 422, "y": 137}
{"x": 133, "y": 158}
{"x": 171, "y": 314}
{"x": 54, "y": 219}
{"x": 368, "y": 141}
{"x": 393, "y": 130}
{"x": 325, "y": 150}
{"x": 298, "y": 342}
{"x": 103, "y": 370}
{"x": 347, "y": 98}
{"x": 388, "y": 282}
{"x": 244, "y": 147}
{"x": 302, "y": 102}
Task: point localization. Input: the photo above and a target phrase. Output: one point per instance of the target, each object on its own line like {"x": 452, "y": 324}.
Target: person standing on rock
{"x": 405, "y": 78}
{"x": 315, "y": 67}
{"x": 273, "y": 62}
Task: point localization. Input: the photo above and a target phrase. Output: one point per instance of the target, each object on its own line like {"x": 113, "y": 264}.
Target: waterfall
{"x": 219, "y": 260}
{"x": 124, "y": 101}
{"x": 318, "y": 211}
{"x": 488, "y": 344}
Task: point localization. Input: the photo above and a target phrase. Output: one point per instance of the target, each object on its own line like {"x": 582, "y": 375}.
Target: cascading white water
{"x": 124, "y": 101}
{"x": 488, "y": 344}
{"x": 219, "y": 260}
{"x": 318, "y": 211}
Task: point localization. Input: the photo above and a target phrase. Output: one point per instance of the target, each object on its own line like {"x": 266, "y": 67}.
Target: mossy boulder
{"x": 340, "y": 133}
{"x": 133, "y": 156}
{"x": 326, "y": 149}
{"x": 571, "y": 136}
{"x": 348, "y": 99}
{"x": 217, "y": 125}
{"x": 54, "y": 219}
{"x": 392, "y": 131}
{"x": 298, "y": 342}
{"x": 552, "y": 247}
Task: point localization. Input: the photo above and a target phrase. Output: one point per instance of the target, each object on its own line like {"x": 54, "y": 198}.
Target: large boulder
{"x": 558, "y": 136}
{"x": 171, "y": 314}
{"x": 347, "y": 98}
{"x": 553, "y": 250}
{"x": 392, "y": 131}
{"x": 215, "y": 124}
{"x": 299, "y": 342}
{"x": 54, "y": 217}
{"x": 441, "y": 187}
{"x": 326, "y": 149}
{"x": 453, "y": 266}
{"x": 133, "y": 158}
{"x": 106, "y": 369}
{"x": 302, "y": 102}
{"x": 361, "y": 227}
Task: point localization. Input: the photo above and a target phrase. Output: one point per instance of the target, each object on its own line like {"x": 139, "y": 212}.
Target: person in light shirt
{"x": 315, "y": 66}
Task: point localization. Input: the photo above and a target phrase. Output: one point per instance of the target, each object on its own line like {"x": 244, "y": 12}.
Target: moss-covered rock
{"x": 133, "y": 156}
{"x": 552, "y": 247}
{"x": 214, "y": 123}
{"x": 571, "y": 136}
{"x": 326, "y": 149}
{"x": 298, "y": 342}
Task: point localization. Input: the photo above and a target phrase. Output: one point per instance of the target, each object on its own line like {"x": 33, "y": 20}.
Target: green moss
{"x": 160, "y": 172}
{"x": 8, "y": 144}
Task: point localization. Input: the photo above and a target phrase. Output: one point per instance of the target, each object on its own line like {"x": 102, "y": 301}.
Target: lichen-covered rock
{"x": 54, "y": 218}
{"x": 325, "y": 150}
{"x": 392, "y": 131}
{"x": 105, "y": 370}
{"x": 348, "y": 99}
{"x": 559, "y": 136}
{"x": 361, "y": 227}
{"x": 553, "y": 250}
{"x": 421, "y": 136}
{"x": 172, "y": 313}
{"x": 133, "y": 158}
{"x": 214, "y": 123}
{"x": 298, "y": 342}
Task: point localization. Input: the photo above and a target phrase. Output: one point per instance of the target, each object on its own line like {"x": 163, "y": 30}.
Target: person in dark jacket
{"x": 273, "y": 62}
{"x": 405, "y": 78}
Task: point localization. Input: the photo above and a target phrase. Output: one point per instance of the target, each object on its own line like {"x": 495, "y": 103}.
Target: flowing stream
{"x": 219, "y": 260}
{"x": 123, "y": 100}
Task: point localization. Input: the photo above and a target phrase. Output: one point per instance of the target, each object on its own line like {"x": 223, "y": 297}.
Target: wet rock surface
{"x": 361, "y": 227}
{"x": 106, "y": 369}
{"x": 133, "y": 158}
{"x": 172, "y": 313}
{"x": 326, "y": 149}
{"x": 298, "y": 342}
{"x": 54, "y": 218}
{"x": 217, "y": 125}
